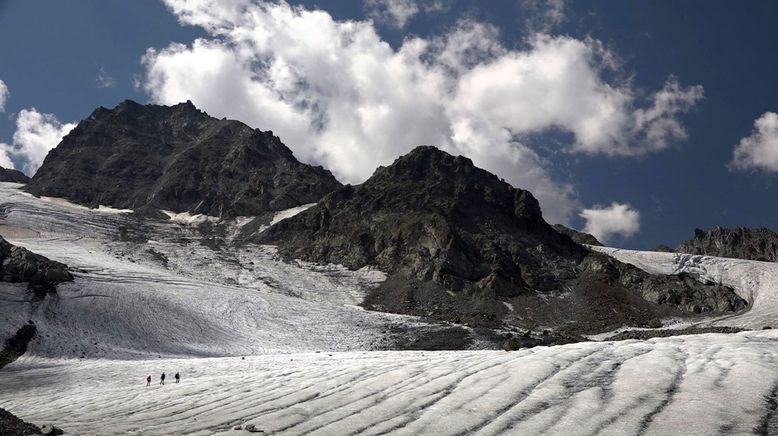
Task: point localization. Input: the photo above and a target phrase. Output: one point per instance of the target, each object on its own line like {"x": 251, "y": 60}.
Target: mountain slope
{"x": 177, "y": 158}
{"x": 741, "y": 243}
{"x": 11, "y": 175}
{"x": 461, "y": 245}
{"x": 579, "y": 237}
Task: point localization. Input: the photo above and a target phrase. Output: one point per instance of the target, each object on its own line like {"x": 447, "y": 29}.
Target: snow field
{"x": 692, "y": 385}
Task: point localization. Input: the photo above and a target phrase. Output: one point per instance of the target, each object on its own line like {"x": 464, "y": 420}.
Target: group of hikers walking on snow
{"x": 162, "y": 379}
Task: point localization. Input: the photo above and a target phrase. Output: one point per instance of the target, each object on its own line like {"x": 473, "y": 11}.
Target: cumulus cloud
{"x": 341, "y": 96}
{"x": 36, "y": 134}
{"x": 759, "y": 151}
{"x": 617, "y": 219}
{"x": 3, "y": 95}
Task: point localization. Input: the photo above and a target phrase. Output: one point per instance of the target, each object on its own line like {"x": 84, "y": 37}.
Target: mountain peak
{"x": 177, "y": 158}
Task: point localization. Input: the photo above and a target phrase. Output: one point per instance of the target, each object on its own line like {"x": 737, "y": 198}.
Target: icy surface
{"x": 153, "y": 288}
{"x": 691, "y": 385}
{"x": 285, "y": 347}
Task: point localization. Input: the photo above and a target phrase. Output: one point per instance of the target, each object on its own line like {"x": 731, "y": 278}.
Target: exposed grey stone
{"x": 11, "y": 175}
{"x": 177, "y": 158}
{"x": 741, "y": 243}
{"x": 579, "y": 237}
{"x": 50, "y": 430}
{"x": 12, "y": 425}
{"x": 461, "y": 245}
{"x": 18, "y": 264}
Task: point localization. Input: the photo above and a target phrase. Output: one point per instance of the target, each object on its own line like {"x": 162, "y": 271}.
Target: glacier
{"x": 286, "y": 347}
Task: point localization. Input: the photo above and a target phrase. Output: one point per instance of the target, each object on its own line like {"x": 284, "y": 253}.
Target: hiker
{"x": 162, "y": 379}
{"x": 177, "y": 377}
{"x": 148, "y": 380}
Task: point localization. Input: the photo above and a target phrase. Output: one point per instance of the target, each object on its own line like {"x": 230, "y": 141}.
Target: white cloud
{"x": 617, "y": 219}
{"x": 104, "y": 80}
{"x": 760, "y": 150}
{"x": 5, "y": 158}
{"x": 340, "y": 96}
{"x": 36, "y": 134}
{"x": 544, "y": 15}
{"x": 3, "y": 95}
{"x": 658, "y": 126}
{"x": 397, "y": 13}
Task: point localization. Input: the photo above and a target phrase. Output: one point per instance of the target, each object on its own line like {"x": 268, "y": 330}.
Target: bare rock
{"x": 461, "y": 245}
{"x": 11, "y": 175}
{"x": 741, "y": 243}
{"x": 50, "y": 430}
{"x": 18, "y": 264}
{"x": 579, "y": 237}
{"x": 149, "y": 157}
{"x": 12, "y": 425}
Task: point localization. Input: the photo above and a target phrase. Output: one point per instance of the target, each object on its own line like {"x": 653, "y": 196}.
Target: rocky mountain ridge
{"x": 12, "y": 175}
{"x": 577, "y": 236}
{"x": 180, "y": 159}
{"x": 461, "y": 245}
{"x": 741, "y": 242}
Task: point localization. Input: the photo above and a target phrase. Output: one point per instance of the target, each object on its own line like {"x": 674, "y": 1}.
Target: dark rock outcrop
{"x": 10, "y": 425}
{"x": 177, "y": 158}
{"x": 19, "y": 265}
{"x": 741, "y": 243}
{"x": 461, "y": 245}
{"x": 11, "y": 175}
{"x": 681, "y": 292}
{"x": 51, "y": 430}
{"x": 16, "y": 345}
{"x": 575, "y": 235}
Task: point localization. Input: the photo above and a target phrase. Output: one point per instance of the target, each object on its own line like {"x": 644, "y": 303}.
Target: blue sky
{"x": 53, "y": 55}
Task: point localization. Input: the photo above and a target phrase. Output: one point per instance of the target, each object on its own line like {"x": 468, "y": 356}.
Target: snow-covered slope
{"x": 154, "y": 289}
{"x": 691, "y": 385}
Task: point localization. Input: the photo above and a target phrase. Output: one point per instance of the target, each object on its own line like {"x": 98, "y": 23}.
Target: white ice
{"x": 690, "y": 385}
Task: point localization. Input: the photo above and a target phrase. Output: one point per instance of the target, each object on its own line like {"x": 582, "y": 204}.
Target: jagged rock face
{"x": 461, "y": 245}
{"x": 575, "y": 235}
{"x": 435, "y": 218}
{"x": 681, "y": 292}
{"x": 741, "y": 242}
{"x": 11, "y": 425}
{"x": 10, "y": 175}
{"x": 177, "y": 158}
{"x": 19, "y": 265}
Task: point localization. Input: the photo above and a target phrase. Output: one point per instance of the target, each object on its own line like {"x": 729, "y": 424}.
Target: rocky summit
{"x": 177, "y": 158}
{"x": 460, "y": 244}
{"x": 579, "y": 237}
{"x": 741, "y": 243}
{"x": 11, "y": 175}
